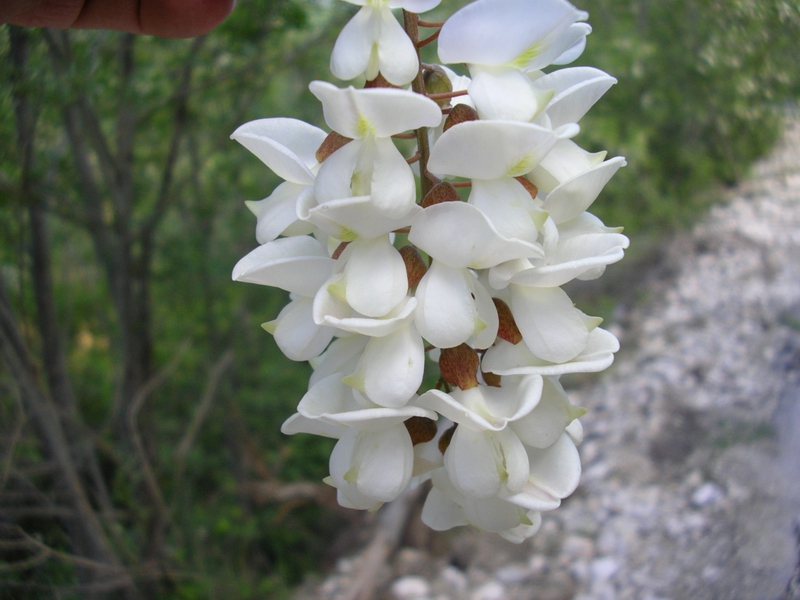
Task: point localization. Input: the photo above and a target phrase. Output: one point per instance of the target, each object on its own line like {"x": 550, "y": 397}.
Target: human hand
{"x": 163, "y": 18}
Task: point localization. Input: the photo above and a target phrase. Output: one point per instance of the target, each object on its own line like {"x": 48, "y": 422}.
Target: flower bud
{"x": 528, "y": 185}
{"x": 441, "y": 192}
{"x": 491, "y": 379}
{"x": 461, "y": 113}
{"x": 459, "y": 366}
{"x": 508, "y": 329}
{"x": 420, "y": 429}
{"x": 415, "y": 265}
{"x": 437, "y": 82}
{"x": 331, "y": 144}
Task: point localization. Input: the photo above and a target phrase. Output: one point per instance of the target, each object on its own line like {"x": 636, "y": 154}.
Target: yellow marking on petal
{"x": 338, "y": 289}
{"x": 351, "y": 476}
{"x": 478, "y": 326}
{"x": 329, "y": 481}
{"x": 527, "y": 56}
{"x": 539, "y": 218}
{"x": 270, "y": 326}
{"x": 355, "y": 381}
{"x": 525, "y": 520}
{"x": 364, "y": 127}
{"x": 525, "y": 165}
{"x": 346, "y": 234}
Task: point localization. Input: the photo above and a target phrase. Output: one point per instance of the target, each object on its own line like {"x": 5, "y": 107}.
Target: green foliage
{"x": 700, "y": 95}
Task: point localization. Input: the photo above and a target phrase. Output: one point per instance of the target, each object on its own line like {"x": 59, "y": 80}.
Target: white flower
{"x": 371, "y": 165}
{"x": 288, "y": 147}
{"x": 373, "y": 41}
{"x": 502, "y": 41}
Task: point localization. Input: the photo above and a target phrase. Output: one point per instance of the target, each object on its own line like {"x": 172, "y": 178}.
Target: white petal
{"x": 576, "y": 91}
{"x": 564, "y": 161}
{"x": 532, "y": 497}
{"x": 487, "y": 315}
{"x": 490, "y": 149}
{"x": 440, "y": 513}
{"x": 546, "y": 423}
{"x": 474, "y": 463}
{"x": 496, "y": 32}
{"x": 287, "y": 146}
{"x": 556, "y": 469}
{"x": 385, "y": 459}
{"x": 392, "y": 367}
{"x": 296, "y": 334}
{"x": 509, "y": 207}
{"x": 551, "y": 326}
{"x": 297, "y": 423}
{"x": 295, "y": 264}
{"x": 335, "y": 176}
{"x": 459, "y": 235}
{"x": 451, "y": 408}
{"x": 342, "y": 356}
{"x": 520, "y": 533}
{"x": 277, "y": 212}
{"x": 573, "y": 44}
{"x": 569, "y": 199}
{"x": 350, "y": 218}
{"x": 501, "y": 93}
{"x": 328, "y": 397}
{"x": 351, "y": 52}
{"x": 380, "y": 112}
{"x": 329, "y": 311}
{"x": 445, "y": 314}
{"x": 507, "y": 359}
{"x": 375, "y": 277}
{"x": 393, "y": 187}
{"x": 573, "y": 257}
{"x": 397, "y": 57}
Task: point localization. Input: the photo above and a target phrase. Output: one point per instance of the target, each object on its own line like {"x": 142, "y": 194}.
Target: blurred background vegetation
{"x": 140, "y": 401}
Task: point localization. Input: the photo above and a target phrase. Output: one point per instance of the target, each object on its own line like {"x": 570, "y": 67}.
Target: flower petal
{"x": 490, "y": 149}
{"x": 353, "y": 47}
{"x": 296, "y": 334}
{"x": 557, "y": 468}
{"x": 576, "y": 91}
{"x": 551, "y": 326}
{"x": 569, "y": 199}
{"x": 287, "y": 146}
{"x": 459, "y": 235}
{"x": 446, "y": 314}
{"x": 503, "y": 93}
{"x": 295, "y": 264}
{"x": 375, "y": 277}
{"x": 393, "y": 187}
{"x": 397, "y": 57}
{"x": 278, "y": 211}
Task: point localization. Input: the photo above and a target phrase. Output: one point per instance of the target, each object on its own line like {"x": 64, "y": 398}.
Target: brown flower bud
{"x": 415, "y": 265}
{"x": 380, "y": 82}
{"x": 491, "y": 379}
{"x": 461, "y": 113}
{"x": 444, "y": 441}
{"x": 508, "y": 329}
{"x": 459, "y": 366}
{"x": 441, "y": 192}
{"x": 420, "y": 429}
{"x": 528, "y": 185}
{"x": 331, "y": 144}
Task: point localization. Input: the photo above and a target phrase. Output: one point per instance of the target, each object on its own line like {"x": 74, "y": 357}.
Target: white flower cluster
{"x": 381, "y": 276}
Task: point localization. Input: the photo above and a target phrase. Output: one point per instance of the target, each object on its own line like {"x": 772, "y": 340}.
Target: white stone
{"x": 707, "y": 494}
{"x": 491, "y": 590}
{"x": 604, "y": 568}
{"x": 411, "y": 587}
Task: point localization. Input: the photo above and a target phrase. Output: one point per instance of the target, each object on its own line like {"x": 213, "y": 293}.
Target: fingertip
{"x": 182, "y": 18}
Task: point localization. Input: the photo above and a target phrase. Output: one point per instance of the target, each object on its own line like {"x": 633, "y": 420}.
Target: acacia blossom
{"x": 395, "y": 273}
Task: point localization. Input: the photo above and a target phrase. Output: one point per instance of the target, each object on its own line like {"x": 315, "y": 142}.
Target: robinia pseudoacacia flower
{"x": 448, "y": 258}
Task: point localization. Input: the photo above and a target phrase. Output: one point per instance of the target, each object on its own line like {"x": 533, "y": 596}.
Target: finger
{"x": 163, "y": 18}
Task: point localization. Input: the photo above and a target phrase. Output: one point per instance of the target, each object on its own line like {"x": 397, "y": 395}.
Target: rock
{"x": 411, "y": 587}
